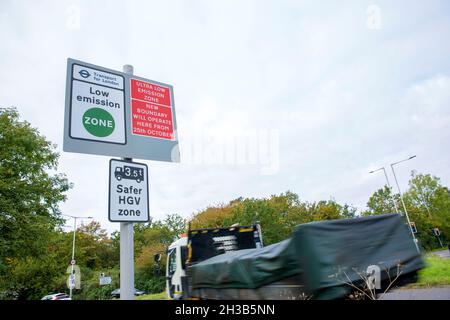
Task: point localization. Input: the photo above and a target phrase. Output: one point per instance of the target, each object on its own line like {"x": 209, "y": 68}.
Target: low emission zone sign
{"x": 117, "y": 114}
{"x": 128, "y": 192}
{"x": 97, "y": 105}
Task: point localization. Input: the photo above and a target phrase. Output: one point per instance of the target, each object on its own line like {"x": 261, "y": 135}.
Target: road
{"x": 442, "y": 293}
{"x": 443, "y": 253}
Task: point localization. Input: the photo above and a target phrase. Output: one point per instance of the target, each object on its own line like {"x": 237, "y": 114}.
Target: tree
{"x": 94, "y": 230}
{"x": 95, "y": 250}
{"x": 29, "y": 194}
{"x": 176, "y": 224}
{"x": 278, "y": 214}
{"x": 428, "y": 204}
{"x": 382, "y": 201}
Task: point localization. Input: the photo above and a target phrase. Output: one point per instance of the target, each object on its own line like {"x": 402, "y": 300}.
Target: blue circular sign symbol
{"x": 84, "y": 73}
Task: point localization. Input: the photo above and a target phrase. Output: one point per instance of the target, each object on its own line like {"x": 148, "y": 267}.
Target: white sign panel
{"x": 97, "y": 105}
{"x": 105, "y": 281}
{"x": 96, "y": 76}
{"x": 71, "y": 281}
{"x": 128, "y": 191}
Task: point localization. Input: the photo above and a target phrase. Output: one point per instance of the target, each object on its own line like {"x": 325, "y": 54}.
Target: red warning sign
{"x": 151, "y": 110}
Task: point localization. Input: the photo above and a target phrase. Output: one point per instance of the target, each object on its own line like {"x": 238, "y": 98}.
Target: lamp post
{"x": 403, "y": 202}
{"x": 388, "y": 184}
{"x": 73, "y": 243}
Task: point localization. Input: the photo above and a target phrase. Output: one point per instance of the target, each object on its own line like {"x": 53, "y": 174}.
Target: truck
{"x": 201, "y": 244}
{"x": 129, "y": 172}
{"x": 320, "y": 260}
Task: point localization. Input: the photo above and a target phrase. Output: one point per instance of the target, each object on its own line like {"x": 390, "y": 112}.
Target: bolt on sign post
{"x": 118, "y": 114}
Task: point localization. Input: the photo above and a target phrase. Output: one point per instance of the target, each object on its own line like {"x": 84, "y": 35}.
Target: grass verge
{"x": 154, "y": 296}
{"x": 436, "y": 272}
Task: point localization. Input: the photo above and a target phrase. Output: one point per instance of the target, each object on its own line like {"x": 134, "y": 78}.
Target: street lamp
{"x": 73, "y": 243}
{"x": 401, "y": 198}
{"x": 388, "y": 184}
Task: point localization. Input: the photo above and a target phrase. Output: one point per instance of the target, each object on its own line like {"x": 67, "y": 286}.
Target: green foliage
{"x": 278, "y": 215}
{"x": 383, "y": 201}
{"x": 91, "y": 288}
{"x": 94, "y": 249}
{"x": 149, "y": 283}
{"x": 154, "y": 296}
{"x": 29, "y": 193}
{"x": 31, "y": 278}
{"x": 427, "y": 203}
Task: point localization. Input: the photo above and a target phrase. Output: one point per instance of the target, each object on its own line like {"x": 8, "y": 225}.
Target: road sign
{"x": 413, "y": 227}
{"x": 128, "y": 191}
{"x": 71, "y": 281}
{"x": 105, "y": 281}
{"x": 113, "y": 113}
{"x": 74, "y": 278}
{"x": 151, "y": 110}
{"x": 97, "y": 105}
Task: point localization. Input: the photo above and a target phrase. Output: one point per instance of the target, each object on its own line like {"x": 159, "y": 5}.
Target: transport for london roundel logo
{"x": 98, "y": 122}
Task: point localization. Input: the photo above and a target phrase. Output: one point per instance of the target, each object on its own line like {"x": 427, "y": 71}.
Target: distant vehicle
{"x": 57, "y": 296}
{"x": 116, "y": 293}
{"x": 129, "y": 172}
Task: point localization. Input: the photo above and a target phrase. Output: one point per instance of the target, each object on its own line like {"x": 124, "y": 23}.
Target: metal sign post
{"x": 127, "y": 244}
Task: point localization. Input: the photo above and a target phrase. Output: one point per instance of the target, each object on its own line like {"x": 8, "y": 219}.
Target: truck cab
{"x": 201, "y": 244}
{"x": 176, "y": 267}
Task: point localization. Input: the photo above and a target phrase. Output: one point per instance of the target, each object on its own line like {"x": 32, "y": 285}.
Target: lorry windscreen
{"x": 206, "y": 243}
{"x": 172, "y": 261}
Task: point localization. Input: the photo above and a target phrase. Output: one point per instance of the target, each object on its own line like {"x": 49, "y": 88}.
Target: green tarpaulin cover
{"x": 328, "y": 255}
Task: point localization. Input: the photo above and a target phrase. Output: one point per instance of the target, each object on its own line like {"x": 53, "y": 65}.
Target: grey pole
{"x": 440, "y": 242}
{"x": 404, "y": 206}
{"x": 73, "y": 243}
{"x": 73, "y": 251}
{"x": 127, "y": 244}
{"x": 389, "y": 186}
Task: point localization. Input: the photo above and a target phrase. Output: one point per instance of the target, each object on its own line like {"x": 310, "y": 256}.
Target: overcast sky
{"x": 310, "y": 97}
